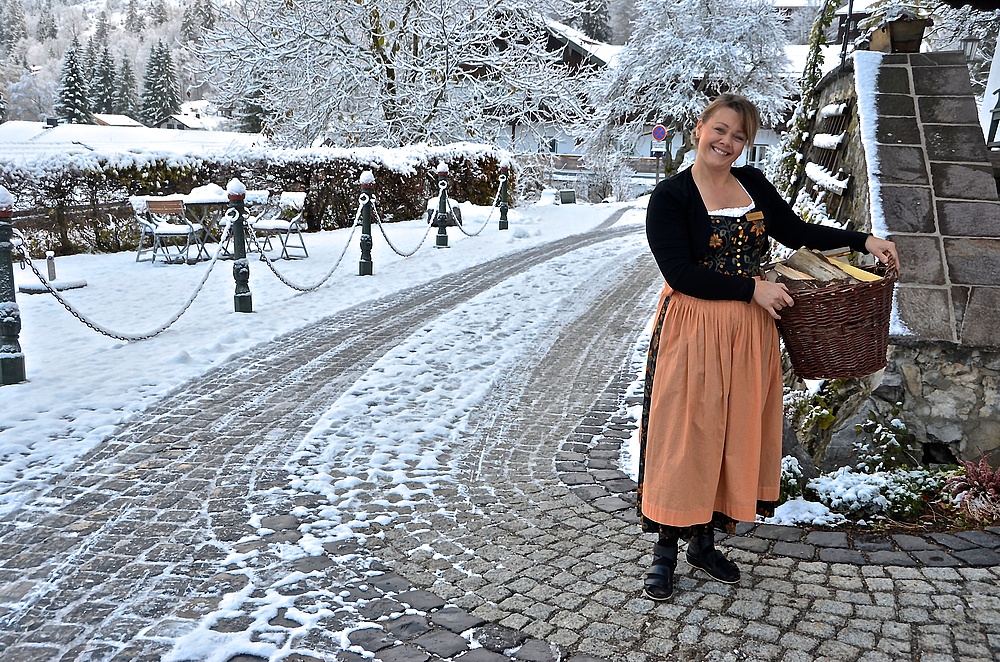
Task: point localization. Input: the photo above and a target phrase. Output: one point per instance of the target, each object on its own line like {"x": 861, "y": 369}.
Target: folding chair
{"x": 167, "y": 227}
{"x": 285, "y": 223}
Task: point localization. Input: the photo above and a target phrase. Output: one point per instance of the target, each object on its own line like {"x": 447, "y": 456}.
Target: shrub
{"x": 976, "y": 489}
{"x": 884, "y": 443}
{"x": 897, "y": 494}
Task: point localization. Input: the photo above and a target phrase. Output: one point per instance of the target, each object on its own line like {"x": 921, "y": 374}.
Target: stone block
{"x": 959, "y": 302}
{"x": 973, "y": 261}
{"x": 969, "y": 219}
{"x": 979, "y": 323}
{"x": 895, "y": 104}
{"x": 937, "y": 59}
{"x": 897, "y": 131}
{"x": 947, "y": 142}
{"x": 965, "y": 181}
{"x": 893, "y": 80}
{"x": 948, "y": 110}
{"x": 902, "y": 165}
{"x": 920, "y": 257}
{"x": 925, "y": 312}
{"x": 908, "y": 209}
{"x": 949, "y": 80}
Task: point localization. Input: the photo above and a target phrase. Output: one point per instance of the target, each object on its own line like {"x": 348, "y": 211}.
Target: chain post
{"x": 11, "y": 358}
{"x": 243, "y": 299}
{"x": 441, "y": 241}
{"x": 504, "y": 173}
{"x": 367, "y": 182}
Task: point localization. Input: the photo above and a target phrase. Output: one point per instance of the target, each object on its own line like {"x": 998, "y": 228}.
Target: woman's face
{"x": 721, "y": 138}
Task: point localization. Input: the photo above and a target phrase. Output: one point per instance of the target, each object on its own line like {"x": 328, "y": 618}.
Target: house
{"x": 182, "y": 122}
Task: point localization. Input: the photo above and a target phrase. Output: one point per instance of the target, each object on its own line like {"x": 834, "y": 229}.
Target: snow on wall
{"x": 825, "y": 178}
{"x": 827, "y": 140}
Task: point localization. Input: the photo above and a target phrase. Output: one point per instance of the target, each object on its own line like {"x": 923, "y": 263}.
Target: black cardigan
{"x": 678, "y": 231}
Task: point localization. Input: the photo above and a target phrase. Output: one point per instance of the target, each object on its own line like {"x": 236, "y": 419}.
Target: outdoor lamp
{"x": 970, "y": 46}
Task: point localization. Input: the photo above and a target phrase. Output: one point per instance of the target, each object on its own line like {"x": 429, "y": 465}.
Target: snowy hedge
{"x": 57, "y": 188}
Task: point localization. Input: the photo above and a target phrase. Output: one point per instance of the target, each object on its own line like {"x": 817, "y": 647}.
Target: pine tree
{"x": 102, "y": 30}
{"x": 206, "y": 14}
{"x": 158, "y": 12}
{"x": 47, "y": 28}
{"x": 594, "y": 20}
{"x": 160, "y": 96}
{"x": 134, "y": 22}
{"x": 126, "y": 99}
{"x": 190, "y": 28}
{"x": 102, "y": 88}
{"x": 14, "y": 28}
{"x": 3, "y": 107}
{"x": 72, "y": 104}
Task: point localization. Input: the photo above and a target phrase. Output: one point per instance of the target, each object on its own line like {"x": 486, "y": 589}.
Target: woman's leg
{"x": 702, "y": 554}
{"x": 659, "y": 583}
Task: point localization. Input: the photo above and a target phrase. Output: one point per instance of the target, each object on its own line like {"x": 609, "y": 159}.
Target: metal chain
{"x": 479, "y": 231}
{"x": 283, "y": 279}
{"x": 125, "y": 337}
{"x": 378, "y": 220}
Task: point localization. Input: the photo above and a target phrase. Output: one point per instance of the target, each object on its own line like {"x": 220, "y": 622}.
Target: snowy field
{"x": 82, "y": 385}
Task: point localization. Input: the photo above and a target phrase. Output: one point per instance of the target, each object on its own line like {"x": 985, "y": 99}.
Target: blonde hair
{"x": 743, "y": 107}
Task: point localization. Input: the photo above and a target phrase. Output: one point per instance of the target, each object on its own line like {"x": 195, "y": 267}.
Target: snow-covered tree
{"x": 134, "y": 22}
{"x": 682, "y": 53}
{"x": 13, "y": 27}
{"x": 160, "y": 96}
{"x": 205, "y": 13}
{"x": 3, "y": 107}
{"x": 102, "y": 85}
{"x": 594, "y": 20}
{"x": 126, "y": 99}
{"x": 623, "y": 15}
{"x": 391, "y": 72}
{"x": 47, "y": 28}
{"x": 73, "y": 99}
{"x": 190, "y": 27}
{"x": 30, "y": 97}
{"x": 158, "y": 14}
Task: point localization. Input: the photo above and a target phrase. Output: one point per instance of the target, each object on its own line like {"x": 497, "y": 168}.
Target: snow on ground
{"x": 82, "y": 385}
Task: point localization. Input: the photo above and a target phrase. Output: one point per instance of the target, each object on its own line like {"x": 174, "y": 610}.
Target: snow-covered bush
{"x": 897, "y": 494}
{"x": 792, "y": 480}
{"x": 807, "y": 408}
{"x": 884, "y": 443}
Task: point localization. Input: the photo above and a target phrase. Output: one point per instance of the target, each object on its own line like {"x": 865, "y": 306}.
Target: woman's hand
{"x": 772, "y": 297}
{"x": 883, "y": 250}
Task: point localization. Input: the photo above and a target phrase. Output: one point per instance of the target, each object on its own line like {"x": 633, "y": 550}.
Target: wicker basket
{"x": 840, "y": 330}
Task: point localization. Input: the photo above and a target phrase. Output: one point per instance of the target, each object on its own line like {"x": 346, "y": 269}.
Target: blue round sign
{"x": 659, "y": 132}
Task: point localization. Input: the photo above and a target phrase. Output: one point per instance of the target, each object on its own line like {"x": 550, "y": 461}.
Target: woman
{"x": 712, "y": 416}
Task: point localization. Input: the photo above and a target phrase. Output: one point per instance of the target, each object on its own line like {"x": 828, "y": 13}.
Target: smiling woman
{"x": 710, "y": 439}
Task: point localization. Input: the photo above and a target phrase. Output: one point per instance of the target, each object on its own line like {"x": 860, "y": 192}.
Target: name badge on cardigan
{"x": 755, "y": 216}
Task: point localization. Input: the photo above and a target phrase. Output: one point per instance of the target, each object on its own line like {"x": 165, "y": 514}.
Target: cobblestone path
{"x": 178, "y": 520}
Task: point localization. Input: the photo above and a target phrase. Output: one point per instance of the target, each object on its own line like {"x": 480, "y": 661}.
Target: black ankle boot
{"x": 659, "y": 583}
{"x": 702, "y": 554}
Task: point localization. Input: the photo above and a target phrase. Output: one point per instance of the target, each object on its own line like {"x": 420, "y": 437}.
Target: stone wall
{"x": 940, "y": 205}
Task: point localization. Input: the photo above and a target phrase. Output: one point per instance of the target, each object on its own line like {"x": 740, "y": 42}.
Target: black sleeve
{"x": 669, "y": 232}
{"x": 788, "y": 229}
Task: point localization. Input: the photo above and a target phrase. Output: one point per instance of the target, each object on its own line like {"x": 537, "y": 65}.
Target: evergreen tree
{"x": 13, "y": 27}
{"x": 126, "y": 99}
{"x": 160, "y": 96}
{"x": 190, "y": 28}
{"x": 594, "y": 21}
{"x": 72, "y": 100}
{"x": 3, "y": 107}
{"x": 249, "y": 114}
{"x": 47, "y": 28}
{"x": 158, "y": 12}
{"x": 206, "y": 14}
{"x": 134, "y": 22}
{"x": 102, "y": 30}
{"x": 102, "y": 88}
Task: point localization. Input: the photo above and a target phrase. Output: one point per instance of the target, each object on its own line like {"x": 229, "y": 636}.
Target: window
{"x": 757, "y": 156}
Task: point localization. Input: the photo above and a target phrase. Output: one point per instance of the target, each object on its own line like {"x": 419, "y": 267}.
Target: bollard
{"x": 504, "y": 171}
{"x": 441, "y": 241}
{"x": 50, "y": 265}
{"x": 242, "y": 300}
{"x": 367, "y": 182}
{"x": 11, "y": 358}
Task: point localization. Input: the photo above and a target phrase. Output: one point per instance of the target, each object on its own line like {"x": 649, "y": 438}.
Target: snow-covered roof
{"x": 20, "y": 140}
{"x": 598, "y": 51}
{"x": 109, "y": 119}
{"x": 860, "y": 7}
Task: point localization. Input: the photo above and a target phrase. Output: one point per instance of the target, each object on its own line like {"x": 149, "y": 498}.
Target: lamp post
{"x": 970, "y": 46}
{"x": 367, "y": 182}
{"x": 504, "y": 173}
{"x": 11, "y": 358}
{"x": 242, "y": 299}
{"x": 441, "y": 240}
